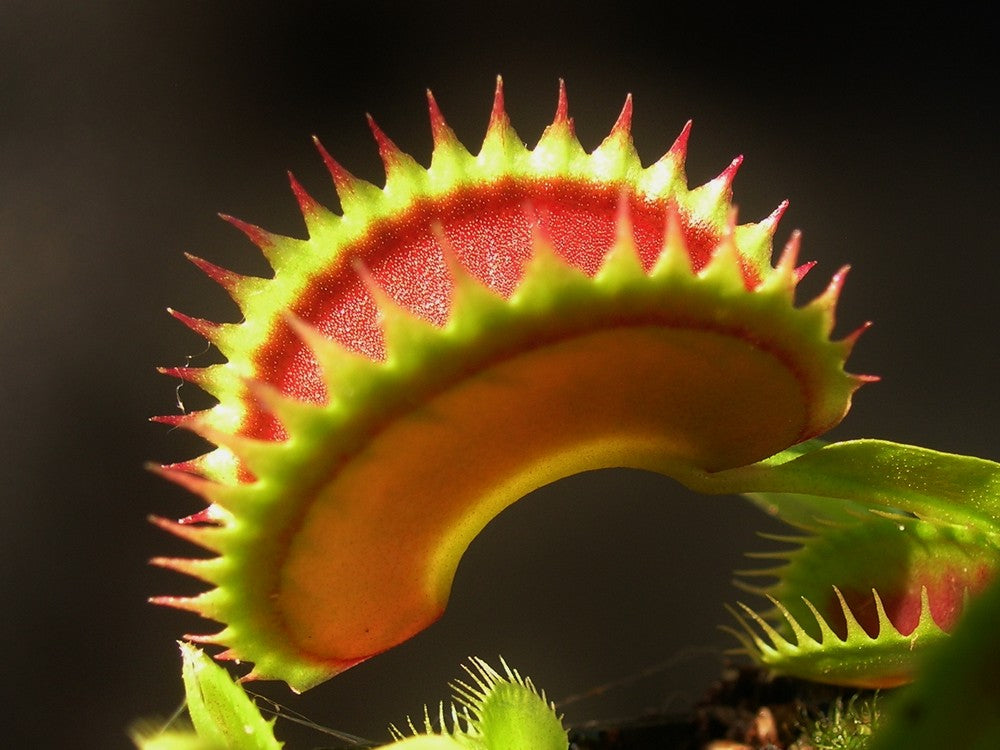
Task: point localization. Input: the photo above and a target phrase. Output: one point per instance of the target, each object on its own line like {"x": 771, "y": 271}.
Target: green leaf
{"x": 222, "y": 713}
{"x": 945, "y": 487}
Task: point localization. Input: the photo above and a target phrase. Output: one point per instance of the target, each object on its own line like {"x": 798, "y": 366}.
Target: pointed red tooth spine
{"x": 801, "y": 271}
{"x": 499, "y": 121}
{"x": 831, "y": 294}
{"x": 197, "y": 535}
{"x": 344, "y": 182}
{"x": 774, "y": 218}
{"x": 207, "y": 329}
{"x": 769, "y": 225}
{"x": 258, "y": 236}
{"x": 440, "y": 132}
{"x": 196, "y": 375}
{"x": 790, "y": 255}
{"x": 228, "y": 280}
{"x": 562, "y": 107}
{"x": 190, "y": 566}
{"x": 827, "y": 300}
{"x": 308, "y": 205}
{"x": 208, "y": 515}
{"x": 623, "y": 124}
{"x": 728, "y": 174}
{"x": 266, "y": 241}
{"x": 388, "y": 151}
{"x": 187, "y": 603}
{"x": 680, "y": 144}
{"x": 176, "y": 420}
{"x": 212, "y": 639}
{"x": 851, "y": 339}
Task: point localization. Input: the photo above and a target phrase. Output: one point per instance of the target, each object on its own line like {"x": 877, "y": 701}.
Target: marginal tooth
{"x": 674, "y": 258}
{"x": 885, "y": 625}
{"x": 850, "y": 340}
{"x": 255, "y": 674}
{"x": 746, "y": 647}
{"x": 221, "y": 382}
{"x": 440, "y": 132}
{"x": 826, "y": 303}
{"x": 778, "y": 641}
{"x": 339, "y": 365}
{"x": 316, "y": 215}
{"x": 680, "y": 145}
{"x": 624, "y": 122}
{"x": 238, "y": 286}
{"x": 213, "y": 514}
{"x": 276, "y": 248}
{"x": 499, "y": 121}
{"x": 220, "y": 335}
{"x": 770, "y": 224}
{"x": 562, "y": 117}
{"x": 209, "y": 570}
{"x": 403, "y": 175}
{"x": 502, "y": 147}
{"x": 449, "y": 153}
{"x": 755, "y": 240}
{"x": 216, "y": 380}
{"x": 726, "y": 177}
{"x": 801, "y": 271}
{"x": 801, "y": 636}
{"x": 207, "y": 329}
{"x": 616, "y": 158}
{"x": 209, "y": 639}
{"x": 206, "y": 604}
{"x": 622, "y": 263}
{"x": 558, "y": 149}
{"x": 180, "y": 420}
{"x": 854, "y": 629}
{"x": 750, "y": 588}
{"x": 798, "y": 541}
{"x": 711, "y": 201}
{"x": 826, "y": 634}
{"x": 784, "y": 555}
{"x": 355, "y": 194}
{"x": 207, "y": 537}
{"x": 925, "y": 609}
{"x": 788, "y": 261}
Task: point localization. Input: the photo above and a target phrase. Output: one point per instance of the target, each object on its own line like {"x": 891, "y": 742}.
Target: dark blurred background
{"x": 124, "y": 127}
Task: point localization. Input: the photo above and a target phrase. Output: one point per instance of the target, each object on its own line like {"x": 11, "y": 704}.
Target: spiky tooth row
{"x": 854, "y": 658}
{"x": 881, "y": 588}
{"x": 495, "y": 711}
{"x": 355, "y": 464}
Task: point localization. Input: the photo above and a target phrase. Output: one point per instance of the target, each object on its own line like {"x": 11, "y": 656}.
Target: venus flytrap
{"x": 494, "y": 322}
